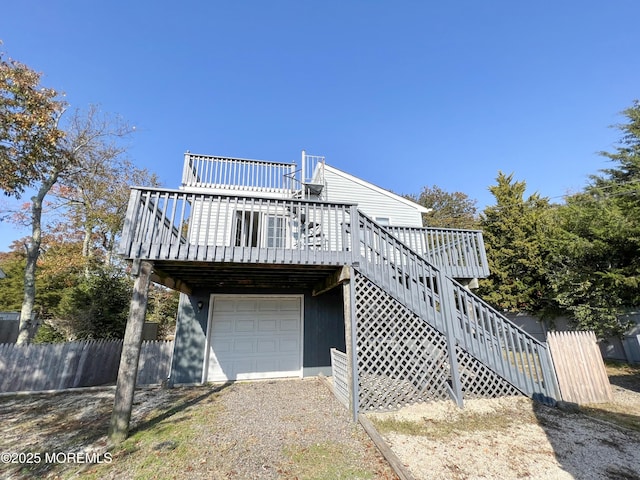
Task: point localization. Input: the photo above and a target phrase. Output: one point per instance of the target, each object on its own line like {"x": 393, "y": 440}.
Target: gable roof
{"x": 377, "y": 189}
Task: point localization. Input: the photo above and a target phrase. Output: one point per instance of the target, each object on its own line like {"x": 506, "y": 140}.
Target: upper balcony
{"x": 258, "y": 178}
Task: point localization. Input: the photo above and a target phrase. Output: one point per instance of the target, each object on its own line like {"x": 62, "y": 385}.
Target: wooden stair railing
{"x": 445, "y": 304}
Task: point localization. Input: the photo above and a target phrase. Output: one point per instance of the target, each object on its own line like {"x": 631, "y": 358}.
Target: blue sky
{"x": 403, "y": 94}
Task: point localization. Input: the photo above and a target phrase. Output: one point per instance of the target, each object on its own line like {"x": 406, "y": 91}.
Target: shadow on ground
{"x": 150, "y": 423}
{"x": 593, "y": 442}
{"x": 628, "y": 382}
{"x": 69, "y": 421}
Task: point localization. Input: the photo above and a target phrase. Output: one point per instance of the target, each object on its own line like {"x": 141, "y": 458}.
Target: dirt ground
{"x": 513, "y": 437}
{"x": 296, "y": 429}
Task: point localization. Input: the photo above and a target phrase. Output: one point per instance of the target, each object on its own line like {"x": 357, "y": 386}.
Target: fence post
{"x": 128, "y": 371}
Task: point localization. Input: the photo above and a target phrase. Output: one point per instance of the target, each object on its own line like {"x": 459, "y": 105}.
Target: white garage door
{"x": 253, "y": 337}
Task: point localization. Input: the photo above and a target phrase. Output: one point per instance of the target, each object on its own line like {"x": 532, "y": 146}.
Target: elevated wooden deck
{"x": 174, "y": 227}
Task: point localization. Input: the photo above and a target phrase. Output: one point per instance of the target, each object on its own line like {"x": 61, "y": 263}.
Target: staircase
{"x": 420, "y": 335}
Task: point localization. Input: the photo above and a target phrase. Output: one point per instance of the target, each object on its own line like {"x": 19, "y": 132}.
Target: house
{"x": 281, "y": 264}
{"x": 10, "y": 326}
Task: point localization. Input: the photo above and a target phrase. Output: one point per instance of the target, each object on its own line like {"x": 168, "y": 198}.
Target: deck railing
{"x": 460, "y": 253}
{"x": 176, "y": 224}
{"x": 163, "y": 224}
{"x": 238, "y": 174}
{"x": 312, "y": 170}
{"x": 478, "y": 328}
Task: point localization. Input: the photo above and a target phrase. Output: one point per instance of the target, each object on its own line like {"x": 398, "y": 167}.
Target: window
{"x": 275, "y": 232}
{"x": 383, "y": 221}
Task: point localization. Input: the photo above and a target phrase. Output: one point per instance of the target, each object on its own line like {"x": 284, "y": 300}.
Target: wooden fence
{"x": 58, "y": 366}
{"x": 579, "y": 367}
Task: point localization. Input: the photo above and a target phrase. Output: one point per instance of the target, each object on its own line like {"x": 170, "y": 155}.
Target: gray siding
{"x": 188, "y": 352}
{"x": 323, "y": 327}
{"x": 374, "y": 202}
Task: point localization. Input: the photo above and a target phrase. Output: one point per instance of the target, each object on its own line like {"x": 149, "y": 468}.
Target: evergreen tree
{"x": 514, "y": 232}
{"x": 97, "y": 307}
{"x": 596, "y": 262}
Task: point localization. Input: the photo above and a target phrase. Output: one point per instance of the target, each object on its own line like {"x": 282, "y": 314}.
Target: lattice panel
{"x": 401, "y": 359}
{"x": 480, "y": 381}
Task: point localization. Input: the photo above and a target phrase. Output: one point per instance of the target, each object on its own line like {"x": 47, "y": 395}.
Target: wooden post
{"x": 448, "y": 307}
{"x": 128, "y": 371}
{"x": 348, "y": 298}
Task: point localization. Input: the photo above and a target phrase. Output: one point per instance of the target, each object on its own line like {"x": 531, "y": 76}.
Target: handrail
{"x": 312, "y": 170}
{"x": 237, "y": 174}
{"x": 166, "y": 224}
{"x": 478, "y": 328}
{"x": 460, "y": 253}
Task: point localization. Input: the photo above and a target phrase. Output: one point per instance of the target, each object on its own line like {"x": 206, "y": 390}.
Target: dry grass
{"x": 325, "y": 461}
{"x": 466, "y": 421}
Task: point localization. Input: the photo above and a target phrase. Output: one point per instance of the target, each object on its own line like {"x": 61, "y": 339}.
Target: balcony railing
{"x": 459, "y": 253}
{"x": 238, "y": 175}
{"x": 164, "y": 224}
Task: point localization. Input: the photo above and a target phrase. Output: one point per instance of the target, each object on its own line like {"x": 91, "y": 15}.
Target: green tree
{"x": 12, "y": 264}
{"x": 163, "y": 309}
{"x": 30, "y": 156}
{"x": 448, "y": 210}
{"x": 515, "y": 231}
{"x": 97, "y": 307}
{"x": 29, "y": 133}
{"x": 36, "y": 153}
{"x": 595, "y": 269}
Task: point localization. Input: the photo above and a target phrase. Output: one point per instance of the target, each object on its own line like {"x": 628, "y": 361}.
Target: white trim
{"x": 377, "y": 189}
{"x": 207, "y": 347}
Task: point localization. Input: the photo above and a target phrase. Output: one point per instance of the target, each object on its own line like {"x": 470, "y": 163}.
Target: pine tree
{"x": 514, "y": 230}
{"x": 596, "y": 260}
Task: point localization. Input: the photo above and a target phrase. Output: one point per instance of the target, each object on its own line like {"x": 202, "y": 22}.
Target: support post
{"x": 448, "y": 307}
{"x": 128, "y": 371}
{"x": 350, "y": 334}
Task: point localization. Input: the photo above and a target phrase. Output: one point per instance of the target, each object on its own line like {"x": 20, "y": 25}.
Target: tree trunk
{"x": 32, "y": 248}
{"x": 29, "y": 296}
{"x": 87, "y": 253}
{"x": 128, "y": 371}
{"x": 109, "y": 247}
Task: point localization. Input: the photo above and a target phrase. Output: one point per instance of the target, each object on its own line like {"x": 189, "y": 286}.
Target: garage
{"x": 253, "y": 337}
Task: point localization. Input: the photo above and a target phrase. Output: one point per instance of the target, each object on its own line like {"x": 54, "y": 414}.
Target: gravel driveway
{"x": 258, "y": 430}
